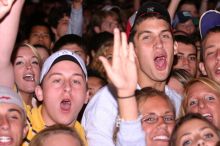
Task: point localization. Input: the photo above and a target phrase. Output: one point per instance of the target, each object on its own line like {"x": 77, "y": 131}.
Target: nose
{"x": 218, "y": 55}
{"x": 28, "y": 65}
{"x": 4, "y": 123}
{"x": 158, "y": 43}
{"x": 201, "y": 104}
{"x": 161, "y": 123}
{"x": 200, "y": 142}
{"x": 185, "y": 61}
{"x": 40, "y": 37}
{"x": 67, "y": 87}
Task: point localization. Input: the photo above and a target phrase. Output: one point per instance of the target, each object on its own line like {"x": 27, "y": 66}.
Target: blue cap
{"x": 208, "y": 20}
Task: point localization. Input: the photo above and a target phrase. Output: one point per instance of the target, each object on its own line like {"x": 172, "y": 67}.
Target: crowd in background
{"x": 110, "y": 72}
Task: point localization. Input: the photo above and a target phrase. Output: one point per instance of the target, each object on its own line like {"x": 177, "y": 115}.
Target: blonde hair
{"x": 203, "y": 80}
{"x": 33, "y": 49}
{"x": 40, "y": 138}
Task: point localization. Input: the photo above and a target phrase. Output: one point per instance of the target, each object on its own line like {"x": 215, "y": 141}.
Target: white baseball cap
{"x": 60, "y": 56}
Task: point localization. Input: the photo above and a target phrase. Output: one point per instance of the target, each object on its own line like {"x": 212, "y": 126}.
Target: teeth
{"x": 4, "y": 139}
{"x": 207, "y": 115}
{"x": 29, "y": 77}
{"x": 66, "y": 101}
{"x": 161, "y": 137}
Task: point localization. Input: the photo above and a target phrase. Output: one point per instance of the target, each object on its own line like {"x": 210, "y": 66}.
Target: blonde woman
{"x": 26, "y": 67}
{"x": 202, "y": 95}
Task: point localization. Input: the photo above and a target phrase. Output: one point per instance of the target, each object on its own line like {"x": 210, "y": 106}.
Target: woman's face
{"x": 158, "y": 120}
{"x": 204, "y": 100}
{"x": 196, "y": 132}
{"x": 26, "y": 70}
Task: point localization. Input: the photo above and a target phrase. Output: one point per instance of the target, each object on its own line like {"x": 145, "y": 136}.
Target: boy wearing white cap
{"x": 13, "y": 127}
{"x": 62, "y": 91}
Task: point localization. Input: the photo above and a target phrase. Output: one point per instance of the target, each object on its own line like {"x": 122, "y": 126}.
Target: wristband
{"x": 124, "y": 97}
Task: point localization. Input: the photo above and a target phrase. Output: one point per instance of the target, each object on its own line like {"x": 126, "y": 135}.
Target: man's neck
{"x": 144, "y": 81}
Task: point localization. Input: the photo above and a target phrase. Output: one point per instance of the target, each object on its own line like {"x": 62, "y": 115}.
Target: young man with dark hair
{"x": 187, "y": 55}
{"x": 154, "y": 47}
{"x": 40, "y": 33}
{"x": 73, "y": 43}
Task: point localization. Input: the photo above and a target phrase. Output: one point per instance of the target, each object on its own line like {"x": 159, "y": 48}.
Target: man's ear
{"x": 87, "y": 60}
{"x": 202, "y": 68}
{"x": 39, "y": 93}
{"x": 25, "y": 130}
{"x": 97, "y": 29}
{"x": 175, "y": 47}
{"x": 87, "y": 97}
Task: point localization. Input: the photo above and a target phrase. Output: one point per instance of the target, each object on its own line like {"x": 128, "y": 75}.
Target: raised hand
{"x": 5, "y": 6}
{"x": 122, "y": 72}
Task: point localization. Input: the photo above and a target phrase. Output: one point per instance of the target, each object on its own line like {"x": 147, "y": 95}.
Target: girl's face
{"x": 26, "y": 70}
{"x": 158, "y": 120}
{"x": 204, "y": 100}
{"x": 196, "y": 132}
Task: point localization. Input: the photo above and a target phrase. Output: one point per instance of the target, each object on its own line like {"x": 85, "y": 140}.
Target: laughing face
{"x": 26, "y": 70}
{"x": 63, "y": 92}
{"x": 12, "y": 125}
{"x": 154, "y": 48}
{"x": 204, "y": 100}
{"x": 158, "y": 120}
{"x": 211, "y": 47}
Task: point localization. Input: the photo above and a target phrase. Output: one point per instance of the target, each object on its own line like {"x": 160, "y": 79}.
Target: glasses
{"x": 153, "y": 118}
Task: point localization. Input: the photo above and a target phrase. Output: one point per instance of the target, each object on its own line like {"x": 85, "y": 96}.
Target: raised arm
{"x": 123, "y": 74}
{"x": 76, "y": 18}
{"x": 8, "y": 33}
{"x": 172, "y": 8}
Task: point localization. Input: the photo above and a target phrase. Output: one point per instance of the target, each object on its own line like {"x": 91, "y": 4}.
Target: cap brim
{"x": 60, "y": 56}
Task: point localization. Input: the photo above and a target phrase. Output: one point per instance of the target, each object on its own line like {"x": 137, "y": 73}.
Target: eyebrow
{"x": 210, "y": 46}
{"x": 180, "y": 53}
{"x": 185, "y": 134}
{"x": 147, "y": 31}
{"x": 152, "y": 113}
{"x": 74, "y": 74}
{"x": 201, "y": 129}
{"x": 31, "y": 57}
{"x": 15, "y": 110}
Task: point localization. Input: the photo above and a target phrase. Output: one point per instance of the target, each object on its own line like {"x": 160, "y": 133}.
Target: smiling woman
{"x": 158, "y": 116}
{"x": 202, "y": 95}
{"x": 194, "y": 129}
{"x": 26, "y": 66}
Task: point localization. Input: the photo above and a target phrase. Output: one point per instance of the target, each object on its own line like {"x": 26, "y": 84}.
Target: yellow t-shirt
{"x": 36, "y": 124}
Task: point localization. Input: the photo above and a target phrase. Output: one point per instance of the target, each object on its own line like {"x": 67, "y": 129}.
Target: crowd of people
{"x": 114, "y": 73}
